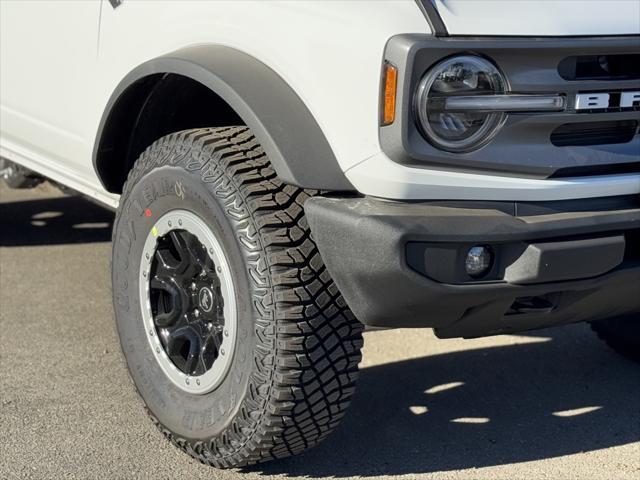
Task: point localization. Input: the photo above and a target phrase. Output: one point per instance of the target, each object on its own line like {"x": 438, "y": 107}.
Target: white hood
{"x": 540, "y": 17}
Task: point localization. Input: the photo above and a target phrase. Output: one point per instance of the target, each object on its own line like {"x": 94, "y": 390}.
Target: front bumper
{"x": 399, "y": 264}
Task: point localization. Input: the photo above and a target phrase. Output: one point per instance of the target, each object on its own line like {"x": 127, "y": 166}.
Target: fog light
{"x": 479, "y": 261}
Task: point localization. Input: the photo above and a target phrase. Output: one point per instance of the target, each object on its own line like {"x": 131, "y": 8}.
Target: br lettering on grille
{"x": 595, "y": 101}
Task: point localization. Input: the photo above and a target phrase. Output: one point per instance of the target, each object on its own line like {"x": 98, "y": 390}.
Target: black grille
{"x": 594, "y": 133}
{"x": 589, "y": 170}
{"x": 601, "y": 67}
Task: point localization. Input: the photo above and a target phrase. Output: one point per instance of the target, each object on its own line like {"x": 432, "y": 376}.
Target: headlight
{"x": 459, "y": 129}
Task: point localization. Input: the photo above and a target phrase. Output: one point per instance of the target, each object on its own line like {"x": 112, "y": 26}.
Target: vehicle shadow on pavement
{"x": 53, "y": 221}
{"x": 489, "y": 406}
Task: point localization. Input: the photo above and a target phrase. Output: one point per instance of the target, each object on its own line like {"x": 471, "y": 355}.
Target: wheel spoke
{"x": 168, "y": 289}
{"x": 199, "y": 256}
{"x": 167, "y": 262}
{"x": 181, "y": 247}
{"x": 216, "y": 338}
{"x": 210, "y": 350}
{"x": 178, "y": 241}
{"x": 219, "y": 313}
{"x": 183, "y": 347}
{"x": 202, "y": 364}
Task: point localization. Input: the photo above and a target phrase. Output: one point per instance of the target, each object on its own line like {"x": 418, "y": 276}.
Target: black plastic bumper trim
{"x": 363, "y": 243}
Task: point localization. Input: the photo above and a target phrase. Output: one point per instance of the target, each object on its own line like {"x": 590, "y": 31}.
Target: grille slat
{"x": 594, "y": 133}
{"x": 601, "y": 67}
{"x": 590, "y": 170}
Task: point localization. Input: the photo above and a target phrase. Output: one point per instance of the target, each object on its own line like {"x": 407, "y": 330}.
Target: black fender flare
{"x": 282, "y": 123}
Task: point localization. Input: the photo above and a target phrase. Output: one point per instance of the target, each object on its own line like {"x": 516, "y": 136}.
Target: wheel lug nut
{"x": 222, "y": 351}
{"x": 151, "y": 332}
{"x": 197, "y": 382}
{"x": 157, "y": 349}
{"x": 169, "y": 222}
{"x": 219, "y": 269}
{"x": 186, "y": 380}
{"x": 226, "y": 333}
{"x": 146, "y": 255}
{"x": 179, "y": 221}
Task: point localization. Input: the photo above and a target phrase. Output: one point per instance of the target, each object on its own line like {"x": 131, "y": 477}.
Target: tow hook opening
{"x": 538, "y": 304}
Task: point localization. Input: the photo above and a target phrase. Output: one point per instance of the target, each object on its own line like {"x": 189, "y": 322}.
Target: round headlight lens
{"x": 457, "y": 131}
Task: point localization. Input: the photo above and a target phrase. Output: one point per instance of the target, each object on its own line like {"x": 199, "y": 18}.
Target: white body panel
{"x": 540, "y": 17}
{"x": 62, "y": 60}
{"x": 381, "y": 177}
{"x": 48, "y": 67}
{"x": 307, "y": 43}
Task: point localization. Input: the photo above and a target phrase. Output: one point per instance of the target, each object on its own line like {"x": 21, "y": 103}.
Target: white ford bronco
{"x": 287, "y": 172}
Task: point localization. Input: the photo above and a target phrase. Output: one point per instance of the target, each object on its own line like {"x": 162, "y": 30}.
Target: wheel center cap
{"x": 205, "y": 299}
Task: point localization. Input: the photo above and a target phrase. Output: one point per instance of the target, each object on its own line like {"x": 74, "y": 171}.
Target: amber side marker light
{"x": 389, "y": 104}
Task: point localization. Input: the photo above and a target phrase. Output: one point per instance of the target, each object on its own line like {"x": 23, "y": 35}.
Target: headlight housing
{"x": 462, "y": 130}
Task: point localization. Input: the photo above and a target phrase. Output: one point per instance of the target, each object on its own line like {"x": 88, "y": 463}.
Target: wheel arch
{"x": 241, "y": 87}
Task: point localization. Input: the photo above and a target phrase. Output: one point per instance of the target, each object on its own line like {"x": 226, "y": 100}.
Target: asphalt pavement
{"x": 552, "y": 404}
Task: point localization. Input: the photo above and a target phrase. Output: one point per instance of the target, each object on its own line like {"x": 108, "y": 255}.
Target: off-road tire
{"x": 622, "y": 334}
{"x": 298, "y": 345}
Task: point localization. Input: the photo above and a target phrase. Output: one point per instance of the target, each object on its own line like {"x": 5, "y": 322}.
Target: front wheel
{"x": 622, "y": 334}
{"x": 237, "y": 339}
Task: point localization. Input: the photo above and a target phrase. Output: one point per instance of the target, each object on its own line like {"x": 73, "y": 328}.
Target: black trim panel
{"x": 365, "y": 244}
{"x": 284, "y": 126}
